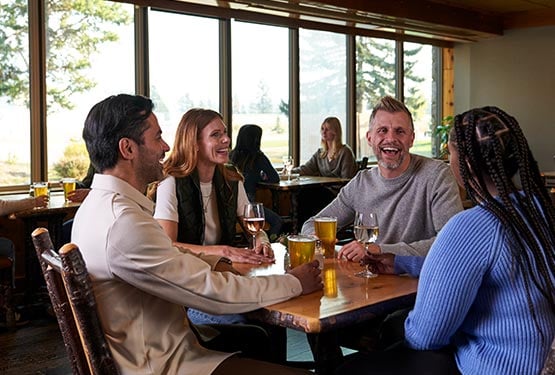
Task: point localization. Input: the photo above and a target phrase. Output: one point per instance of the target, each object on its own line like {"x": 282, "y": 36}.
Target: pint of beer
{"x": 301, "y": 249}
{"x": 69, "y": 186}
{"x": 326, "y": 229}
{"x": 40, "y": 188}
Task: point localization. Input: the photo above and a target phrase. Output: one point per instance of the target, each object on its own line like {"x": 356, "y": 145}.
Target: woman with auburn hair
{"x": 333, "y": 159}
{"x": 202, "y": 197}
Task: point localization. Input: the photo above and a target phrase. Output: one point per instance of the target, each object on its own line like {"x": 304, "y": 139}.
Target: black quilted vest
{"x": 189, "y": 208}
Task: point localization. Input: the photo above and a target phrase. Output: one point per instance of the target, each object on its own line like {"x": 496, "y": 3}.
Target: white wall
{"x": 515, "y": 72}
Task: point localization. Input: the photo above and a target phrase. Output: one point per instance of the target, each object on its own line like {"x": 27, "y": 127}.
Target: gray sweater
{"x": 411, "y": 208}
{"x": 343, "y": 165}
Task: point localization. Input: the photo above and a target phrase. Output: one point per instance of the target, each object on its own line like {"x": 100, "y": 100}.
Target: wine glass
{"x": 366, "y": 232}
{"x": 288, "y": 166}
{"x": 253, "y": 217}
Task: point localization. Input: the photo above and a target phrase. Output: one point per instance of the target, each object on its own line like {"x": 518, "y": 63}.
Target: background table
{"x": 51, "y": 217}
{"x": 293, "y": 188}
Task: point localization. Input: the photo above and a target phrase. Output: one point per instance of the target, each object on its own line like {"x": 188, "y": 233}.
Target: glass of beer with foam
{"x": 301, "y": 249}
{"x": 325, "y": 228}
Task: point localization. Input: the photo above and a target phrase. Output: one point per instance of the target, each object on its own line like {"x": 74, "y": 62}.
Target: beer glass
{"x": 366, "y": 231}
{"x": 325, "y": 229}
{"x": 69, "y": 185}
{"x": 301, "y": 249}
{"x": 40, "y": 188}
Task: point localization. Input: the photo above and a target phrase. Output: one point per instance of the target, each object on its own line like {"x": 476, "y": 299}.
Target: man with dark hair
{"x": 140, "y": 280}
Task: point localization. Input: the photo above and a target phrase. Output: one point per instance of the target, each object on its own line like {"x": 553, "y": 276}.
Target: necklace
{"x": 206, "y": 197}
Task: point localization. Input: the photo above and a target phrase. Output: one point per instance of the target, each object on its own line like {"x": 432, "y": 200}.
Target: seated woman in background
{"x": 486, "y": 296}
{"x": 201, "y": 200}
{"x": 333, "y": 159}
{"x": 255, "y": 167}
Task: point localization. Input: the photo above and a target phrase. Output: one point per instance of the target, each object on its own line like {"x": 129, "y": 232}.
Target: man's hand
{"x": 309, "y": 276}
{"x": 354, "y": 251}
{"x": 379, "y": 263}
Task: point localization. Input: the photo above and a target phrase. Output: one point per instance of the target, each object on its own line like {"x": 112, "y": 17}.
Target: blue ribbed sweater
{"x": 471, "y": 295}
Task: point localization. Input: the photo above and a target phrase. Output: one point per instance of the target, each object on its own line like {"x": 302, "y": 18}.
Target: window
{"x": 323, "y": 85}
{"x": 260, "y": 84}
{"x": 15, "y": 147}
{"x": 184, "y": 63}
{"x": 419, "y": 86}
{"x": 375, "y": 78}
{"x": 90, "y": 56}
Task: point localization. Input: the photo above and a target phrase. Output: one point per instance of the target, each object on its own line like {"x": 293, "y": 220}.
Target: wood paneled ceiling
{"x": 440, "y": 21}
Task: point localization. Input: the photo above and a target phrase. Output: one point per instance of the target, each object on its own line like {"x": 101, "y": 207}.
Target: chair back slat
{"x": 74, "y": 305}
{"x": 79, "y": 289}
{"x": 51, "y": 266}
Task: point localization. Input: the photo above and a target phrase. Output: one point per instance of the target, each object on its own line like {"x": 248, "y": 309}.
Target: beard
{"x": 392, "y": 164}
{"x": 389, "y": 164}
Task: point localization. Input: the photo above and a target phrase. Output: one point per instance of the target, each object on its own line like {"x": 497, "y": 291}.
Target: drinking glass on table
{"x": 325, "y": 228}
{"x": 301, "y": 249}
{"x": 253, "y": 217}
{"x": 366, "y": 232}
{"x": 69, "y": 185}
{"x": 288, "y": 166}
{"x": 40, "y": 188}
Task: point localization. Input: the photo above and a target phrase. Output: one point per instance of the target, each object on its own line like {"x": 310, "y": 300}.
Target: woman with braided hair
{"x": 485, "y": 302}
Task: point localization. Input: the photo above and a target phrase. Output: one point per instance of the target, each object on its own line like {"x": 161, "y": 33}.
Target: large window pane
{"x": 375, "y": 77}
{"x": 420, "y": 89}
{"x": 90, "y": 55}
{"x": 184, "y": 65}
{"x": 260, "y": 84}
{"x": 323, "y": 85}
{"x": 15, "y": 152}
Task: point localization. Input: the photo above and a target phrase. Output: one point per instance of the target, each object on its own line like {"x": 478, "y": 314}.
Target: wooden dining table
{"x": 293, "y": 187}
{"x": 51, "y": 217}
{"x": 345, "y": 300}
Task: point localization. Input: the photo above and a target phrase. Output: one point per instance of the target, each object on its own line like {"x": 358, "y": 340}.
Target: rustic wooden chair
{"x": 70, "y": 291}
{"x": 549, "y": 366}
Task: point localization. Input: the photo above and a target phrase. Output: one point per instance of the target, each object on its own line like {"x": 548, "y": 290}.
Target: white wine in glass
{"x": 366, "y": 231}
{"x": 253, "y": 218}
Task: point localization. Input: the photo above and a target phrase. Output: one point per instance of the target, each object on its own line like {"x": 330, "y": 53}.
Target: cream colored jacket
{"x": 141, "y": 283}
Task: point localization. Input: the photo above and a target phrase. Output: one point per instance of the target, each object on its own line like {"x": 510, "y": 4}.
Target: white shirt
{"x": 141, "y": 282}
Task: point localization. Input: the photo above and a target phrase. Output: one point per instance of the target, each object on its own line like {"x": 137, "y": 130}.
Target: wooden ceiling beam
{"x": 425, "y": 11}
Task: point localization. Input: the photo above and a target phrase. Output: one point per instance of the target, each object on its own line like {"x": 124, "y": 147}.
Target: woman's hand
{"x": 379, "y": 263}
{"x": 354, "y": 251}
{"x": 243, "y": 255}
{"x": 264, "y": 249}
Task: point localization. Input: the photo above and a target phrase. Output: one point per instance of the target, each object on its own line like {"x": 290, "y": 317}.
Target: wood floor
{"x": 37, "y": 348}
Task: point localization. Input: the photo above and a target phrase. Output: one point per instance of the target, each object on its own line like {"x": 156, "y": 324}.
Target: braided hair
{"x": 493, "y": 150}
